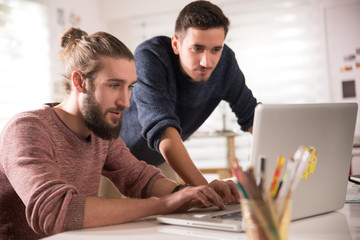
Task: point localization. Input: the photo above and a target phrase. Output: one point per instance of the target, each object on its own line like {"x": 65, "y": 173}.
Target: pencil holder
{"x": 262, "y": 220}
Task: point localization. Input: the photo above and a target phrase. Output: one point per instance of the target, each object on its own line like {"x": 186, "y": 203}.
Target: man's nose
{"x": 205, "y": 59}
{"x": 123, "y": 98}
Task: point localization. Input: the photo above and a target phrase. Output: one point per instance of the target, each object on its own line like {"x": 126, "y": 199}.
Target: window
{"x": 24, "y": 57}
{"x": 280, "y": 48}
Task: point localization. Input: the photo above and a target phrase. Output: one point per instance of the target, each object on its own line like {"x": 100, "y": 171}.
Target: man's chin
{"x": 109, "y": 132}
{"x": 197, "y": 77}
{"x": 200, "y": 80}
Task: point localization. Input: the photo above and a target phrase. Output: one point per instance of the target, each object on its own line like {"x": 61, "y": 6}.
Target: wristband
{"x": 180, "y": 186}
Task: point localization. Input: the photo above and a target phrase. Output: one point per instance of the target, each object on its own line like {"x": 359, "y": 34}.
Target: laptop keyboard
{"x": 237, "y": 216}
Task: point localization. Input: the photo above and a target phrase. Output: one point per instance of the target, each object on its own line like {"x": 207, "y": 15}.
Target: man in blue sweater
{"x": 180, "y": 82}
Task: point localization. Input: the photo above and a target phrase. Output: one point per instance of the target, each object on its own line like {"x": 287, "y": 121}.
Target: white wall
{"x": 121, "y": 9}
{"x": 80, "y": 13}
{"x": 343, "y": 49}
{"x": 124, "y": 18}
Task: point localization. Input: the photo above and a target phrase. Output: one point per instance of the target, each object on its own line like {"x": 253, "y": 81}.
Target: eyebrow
{"x": 120, "y": 80}
{"x": 202, "y": 46}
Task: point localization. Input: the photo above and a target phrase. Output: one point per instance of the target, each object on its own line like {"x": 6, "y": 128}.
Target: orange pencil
{"x": 275, "y": 181}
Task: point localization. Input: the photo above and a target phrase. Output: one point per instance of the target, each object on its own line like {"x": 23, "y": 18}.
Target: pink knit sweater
{"x": 46, "y": 172}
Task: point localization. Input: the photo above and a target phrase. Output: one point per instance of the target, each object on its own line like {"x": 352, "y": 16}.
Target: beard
{"x": 95, "y": 120}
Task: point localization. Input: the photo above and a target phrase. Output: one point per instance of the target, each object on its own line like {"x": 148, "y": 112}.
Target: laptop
{"x": 279, "y": 129}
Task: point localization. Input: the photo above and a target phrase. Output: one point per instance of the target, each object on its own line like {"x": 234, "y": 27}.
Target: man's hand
{"x": 189, "y": 197}
{"x": 227, "y": 191}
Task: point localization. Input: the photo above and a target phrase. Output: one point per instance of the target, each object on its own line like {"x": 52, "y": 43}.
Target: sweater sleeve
{"x": 52, "y": 205}
{"x": 132, "y": 177}
{"x": 153, "y": 94}
{"x": 239, "y": 96}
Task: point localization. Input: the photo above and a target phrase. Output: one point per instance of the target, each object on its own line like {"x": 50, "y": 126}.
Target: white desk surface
{"x": 342, "y": 224}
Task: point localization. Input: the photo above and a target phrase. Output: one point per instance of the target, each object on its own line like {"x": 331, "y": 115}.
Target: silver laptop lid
{"x": 329, "y": 127}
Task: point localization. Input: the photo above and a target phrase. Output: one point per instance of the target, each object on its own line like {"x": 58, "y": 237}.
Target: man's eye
{"x": 197, "y": 49}
{"x": 216, "y": 50}
{"x": 114, "y": 85}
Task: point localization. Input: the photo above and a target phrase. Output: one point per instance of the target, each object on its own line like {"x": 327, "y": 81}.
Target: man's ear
{"x": 78, "y": 81}
{"x": 175, "y": 44}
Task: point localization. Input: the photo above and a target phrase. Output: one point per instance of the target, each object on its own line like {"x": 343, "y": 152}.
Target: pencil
{"x": 250, "y": 177}
{"x": 275, "y": 184}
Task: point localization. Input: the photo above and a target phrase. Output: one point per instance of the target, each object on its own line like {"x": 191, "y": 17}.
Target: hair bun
{"x": 71, "y": 35}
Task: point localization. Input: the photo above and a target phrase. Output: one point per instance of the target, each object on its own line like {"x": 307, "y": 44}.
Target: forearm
{"x": 175, "y": 153}
{"x": 162, "y": 187}
{"x": 105, "y": 211}
{"x": 186, "y": 169}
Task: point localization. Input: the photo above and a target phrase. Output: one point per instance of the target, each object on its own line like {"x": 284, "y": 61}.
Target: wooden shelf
{"x": 230, "y": 153}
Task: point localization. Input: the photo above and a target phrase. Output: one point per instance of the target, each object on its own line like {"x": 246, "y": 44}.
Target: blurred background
{"x": 290, "y": 51}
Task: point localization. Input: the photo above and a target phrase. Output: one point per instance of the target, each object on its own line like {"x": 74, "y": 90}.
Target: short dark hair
{"x": 82, "y": 52}
{"x": 201, "y": 15}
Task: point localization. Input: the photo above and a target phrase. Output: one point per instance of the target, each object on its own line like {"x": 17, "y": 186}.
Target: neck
{"x": 69, "y": 112}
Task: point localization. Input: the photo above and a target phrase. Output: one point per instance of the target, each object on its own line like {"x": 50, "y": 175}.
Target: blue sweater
{"x": 165, "y": 97}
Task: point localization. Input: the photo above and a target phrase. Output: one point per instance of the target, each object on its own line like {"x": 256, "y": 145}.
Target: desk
{"x": 342, "y": 224}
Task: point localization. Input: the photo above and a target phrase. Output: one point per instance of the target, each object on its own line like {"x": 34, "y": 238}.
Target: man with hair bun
{"x": 51, "y": 159}
{"x": 181, "y": 80}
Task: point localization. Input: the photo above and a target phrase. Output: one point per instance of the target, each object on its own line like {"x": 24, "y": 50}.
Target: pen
{"x": 261, "y": 175}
